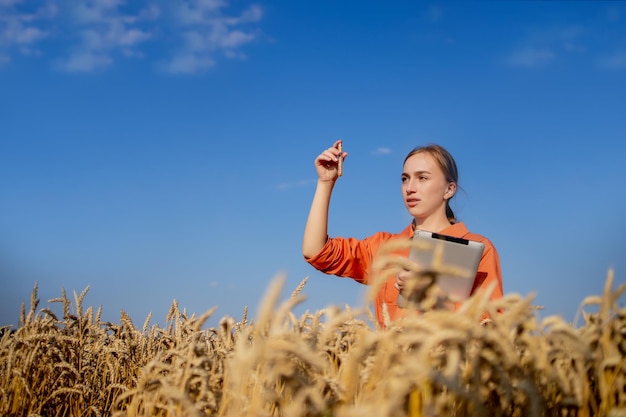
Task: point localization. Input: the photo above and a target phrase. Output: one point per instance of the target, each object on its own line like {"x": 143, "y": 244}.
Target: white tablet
{"x": 461, "y": 253}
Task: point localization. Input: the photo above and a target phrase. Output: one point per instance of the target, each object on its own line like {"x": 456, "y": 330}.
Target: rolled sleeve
{"x": 344, "y": 257}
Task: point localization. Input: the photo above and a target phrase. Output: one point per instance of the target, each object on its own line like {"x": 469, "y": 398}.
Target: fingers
{"x": 331, "y": 155}
{"x": 401, "y": 279}
{"x": 329, "y": 163}
{"x": 410, "y": 271}
{"x": 326, "y": 160}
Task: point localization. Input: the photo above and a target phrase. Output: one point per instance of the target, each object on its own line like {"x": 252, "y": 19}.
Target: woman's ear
{"x": 450, "y": 191}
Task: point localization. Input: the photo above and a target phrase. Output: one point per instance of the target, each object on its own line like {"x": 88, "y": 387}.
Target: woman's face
{"x": 424, "y": 186}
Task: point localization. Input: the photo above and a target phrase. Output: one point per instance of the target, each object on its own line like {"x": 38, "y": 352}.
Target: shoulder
{"x": 407, "y": 232}
{"x": 381, "y": 237}
{"x": 460, "y": 230}
{"x": 480, "y": 238}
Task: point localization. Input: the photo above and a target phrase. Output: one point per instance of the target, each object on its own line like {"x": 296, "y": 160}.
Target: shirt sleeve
{"x": 345, "y": 257}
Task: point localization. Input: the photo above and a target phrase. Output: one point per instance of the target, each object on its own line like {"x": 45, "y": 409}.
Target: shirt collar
{"x": 457, "y": 230}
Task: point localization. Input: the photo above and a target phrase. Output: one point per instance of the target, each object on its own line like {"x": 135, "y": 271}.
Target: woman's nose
{"x": 410, "y": 187}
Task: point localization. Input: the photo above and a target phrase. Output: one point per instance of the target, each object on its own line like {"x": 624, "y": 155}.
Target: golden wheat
{"x": 327, "y": 363}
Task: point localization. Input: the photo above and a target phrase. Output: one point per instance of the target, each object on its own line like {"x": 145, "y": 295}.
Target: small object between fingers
{"x": 340, "y": 160}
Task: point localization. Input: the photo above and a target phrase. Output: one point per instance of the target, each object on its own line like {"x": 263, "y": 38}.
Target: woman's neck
{"x": 431, "y": 224}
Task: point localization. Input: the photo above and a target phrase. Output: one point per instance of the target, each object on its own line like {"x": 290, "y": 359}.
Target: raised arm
{"x": 316, "y": 230}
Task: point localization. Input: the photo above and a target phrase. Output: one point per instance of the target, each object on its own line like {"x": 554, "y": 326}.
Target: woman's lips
{"x": 411, "y": 202}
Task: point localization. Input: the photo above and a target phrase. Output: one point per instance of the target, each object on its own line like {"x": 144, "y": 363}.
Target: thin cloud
{"x": 613, "y": 14}
{"x": 92, "y": 35}
{"x": 187, "y": 63}
{"x": 22, "y": 31}
{"x": 381, "y": 151}
{"x": 105, "y": 33}
{"x": 85, "y": 61}
{"x": 19, "y": 34}
{"x": 617, "y": 60}
{"x": 542, "y": 46}
{"x": 207, "y": 31}
{"x": 435, "y": 13}
{"x": 530, "y": 58}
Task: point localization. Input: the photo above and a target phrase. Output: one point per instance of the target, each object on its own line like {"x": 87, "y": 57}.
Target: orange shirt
{"x": 352, "y": 258}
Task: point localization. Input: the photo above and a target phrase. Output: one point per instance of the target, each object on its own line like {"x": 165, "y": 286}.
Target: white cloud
{"x": 85, "y": 61}
{"x": 209, "y": 31}
{"x": 150, "y": 12}
{"x": 20, "y": 32}
{"x": 30, "y": 35}
{"x": 16, "y": 28}
{"x": 89, "y": 12}
{"x": 104, "y": 33}
{"x": 28, "y": 51}
{"x": 188, "y": 63}
{"x": 559, "y": 37}
{"x": 542, "y": 46}
{"x": 4, "y": 60}
{"x": 231, "y": 39}
{"x": 130, "y": 37}
{"x": 93, "y": 34}
{"x": 381, "y": 151}
{"x": 130, "y": 53}
{"x": 617, "y": 60}
{"x": 197, "y": 11}
{"x": 530, "y": 57}
{"x": 253, "y": 13}
{"x": 7, "y": 3}
{"x": 113, "y": 36}
{"x": 235, "y": 55}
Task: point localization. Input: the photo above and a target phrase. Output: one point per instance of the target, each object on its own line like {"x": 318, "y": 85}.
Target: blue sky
{"x": 164, "y": 150}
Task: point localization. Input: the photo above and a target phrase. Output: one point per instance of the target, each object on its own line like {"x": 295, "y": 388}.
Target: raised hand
{"x": 327, "y": 163}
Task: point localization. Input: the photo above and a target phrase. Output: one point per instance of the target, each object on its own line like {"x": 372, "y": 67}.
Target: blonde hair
{"x": 447, "y": 164}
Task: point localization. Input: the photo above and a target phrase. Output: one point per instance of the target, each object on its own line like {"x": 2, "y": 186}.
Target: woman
{"x": 429, "y": 181}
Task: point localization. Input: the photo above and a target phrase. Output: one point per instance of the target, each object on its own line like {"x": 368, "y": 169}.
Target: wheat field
{"x": 333, "y": 362}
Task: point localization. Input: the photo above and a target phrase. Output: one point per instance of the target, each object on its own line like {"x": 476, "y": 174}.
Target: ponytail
{"x": 450, "y": 213}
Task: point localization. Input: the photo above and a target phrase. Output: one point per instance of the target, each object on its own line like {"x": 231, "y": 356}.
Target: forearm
{"x": 316, "y": 229}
